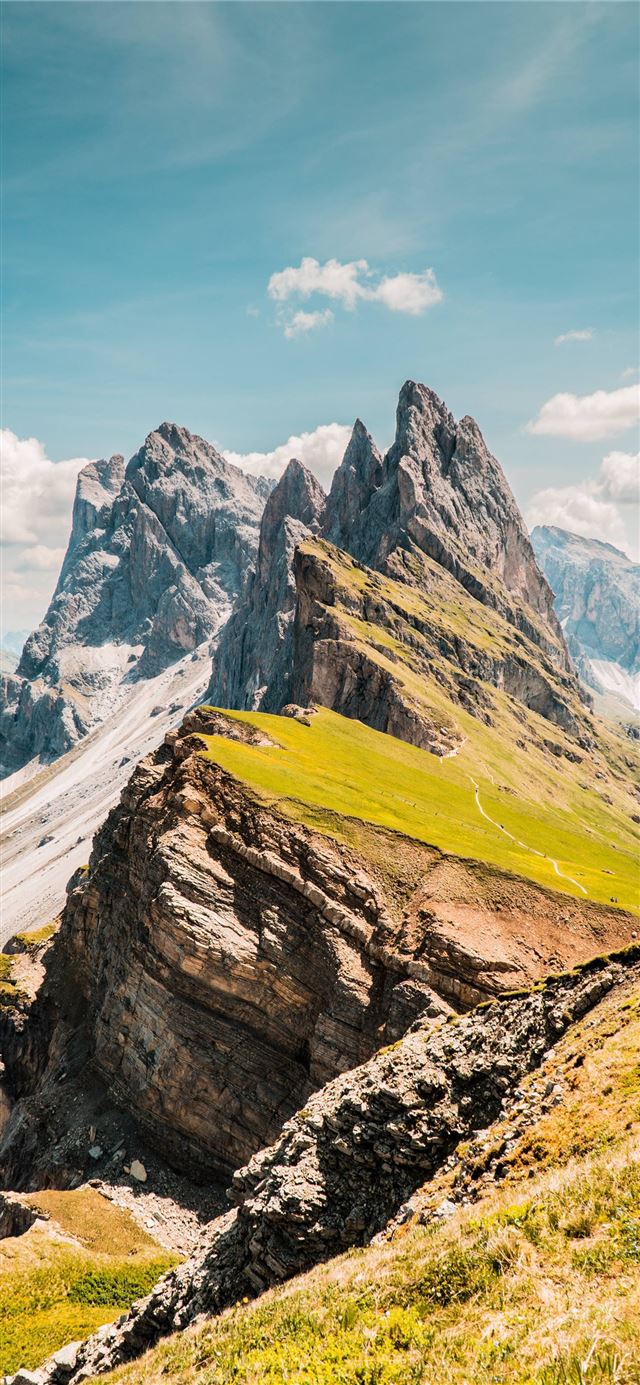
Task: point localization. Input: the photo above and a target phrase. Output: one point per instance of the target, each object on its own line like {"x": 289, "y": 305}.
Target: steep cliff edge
{"x": 157, "y": 555}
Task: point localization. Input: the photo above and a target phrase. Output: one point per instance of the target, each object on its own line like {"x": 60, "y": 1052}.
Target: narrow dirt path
{"x": 525, "y": 845}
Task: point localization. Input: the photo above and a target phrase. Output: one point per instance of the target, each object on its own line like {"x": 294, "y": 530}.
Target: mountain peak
{"x": 297, "y": 496}
{"x": 355, "y": 481}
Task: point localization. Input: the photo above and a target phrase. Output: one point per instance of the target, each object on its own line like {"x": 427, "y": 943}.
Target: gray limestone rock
{"x": 157, "y": 555}
{"x": 253, "y": 664}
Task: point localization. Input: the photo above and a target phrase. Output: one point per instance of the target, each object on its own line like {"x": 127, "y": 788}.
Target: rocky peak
{"x": 424, "y": 424}
{"x": 96, "y": 489}
{"x": 358, "y": 476}
{"x": 158, "y": 553}
{"x": 441, "y": 489}
{"x": 297, "y": 496}
{"x": 253, "y": 663}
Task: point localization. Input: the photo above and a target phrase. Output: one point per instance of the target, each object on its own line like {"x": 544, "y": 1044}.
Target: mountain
{"x": 299, "y": 991}
{"x": 443, "y": 568}
{"x": 597, "y": 591}
{"x": 480, "y": 1111}
{"x": 157, "y": 554}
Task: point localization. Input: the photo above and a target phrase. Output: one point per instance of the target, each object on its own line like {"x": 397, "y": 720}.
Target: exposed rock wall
{"x": 157, "y": 555}
{"x": 253, "y": 665}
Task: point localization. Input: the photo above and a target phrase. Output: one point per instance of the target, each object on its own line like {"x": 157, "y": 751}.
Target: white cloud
{"x": 302, "y": 322}
{"x": 331, "y": 280}
{"x": 583, "y": 334}
{"x": 37, "y": 499}
{"x": 408, "y": 293}
{"x": 630, "y": 371}
{"x": 620, "y": 472}
{"x": 595, "y": 508}
{"x": 349, "y": 284}
{"x": 588, "y": 417}
{"x": 321, "y": 451}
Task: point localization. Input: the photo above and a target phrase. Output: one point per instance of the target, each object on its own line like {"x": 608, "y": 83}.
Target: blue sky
{"x": 163, "y": 161}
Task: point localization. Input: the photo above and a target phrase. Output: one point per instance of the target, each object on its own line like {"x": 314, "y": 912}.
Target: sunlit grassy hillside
{"x": 542, "y": 810}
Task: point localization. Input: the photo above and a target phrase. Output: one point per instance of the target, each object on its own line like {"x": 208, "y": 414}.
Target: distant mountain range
{"x": 597, "y": 592}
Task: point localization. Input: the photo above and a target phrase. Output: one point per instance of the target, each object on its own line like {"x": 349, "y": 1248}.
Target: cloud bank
{"x": 321, "y": 451}
{"x": 348, "y": 284}
{"x": 604, "y": 507}
{"x": 588, "y": 417}
{"x": 35, "y": 520}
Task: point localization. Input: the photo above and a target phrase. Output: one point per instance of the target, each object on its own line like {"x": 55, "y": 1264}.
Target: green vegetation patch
{"x": 31, "y": 939}
{"x": 12, "y": 996}
{"x": 53, "y": 1291}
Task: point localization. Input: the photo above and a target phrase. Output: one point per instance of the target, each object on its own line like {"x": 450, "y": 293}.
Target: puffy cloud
{"x": 584, "y": 334}
{"x": 620, "y": 472}
{"x": 331, "y": 280}
{"x": 302, "y": 322}
{"x": 408, "y": 293}
{"x": 588, "y": 417}
{"x": 596, "y": 508}
{"x": 349, "y": 284}
{"x": 321, "y": 451}
{"x": 37, "y": 499}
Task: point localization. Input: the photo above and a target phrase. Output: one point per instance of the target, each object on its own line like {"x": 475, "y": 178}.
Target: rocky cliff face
{"x": 157, "y": 555}
{"x": 342, "y": 1167}
{"x": 440, "y": 487}
{"x": 437, "y": 514}
{"x": 253, "y": 663}
{"x": 597, "y": 592}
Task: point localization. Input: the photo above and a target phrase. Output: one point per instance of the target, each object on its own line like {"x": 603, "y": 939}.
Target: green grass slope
{"x": 539, "y": 810}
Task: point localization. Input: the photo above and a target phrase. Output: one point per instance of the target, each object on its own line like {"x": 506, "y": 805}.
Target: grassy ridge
{"x": 337, "y": 765}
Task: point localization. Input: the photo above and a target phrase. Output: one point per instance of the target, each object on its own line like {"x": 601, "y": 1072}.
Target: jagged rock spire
{"x": 356, "y": 479}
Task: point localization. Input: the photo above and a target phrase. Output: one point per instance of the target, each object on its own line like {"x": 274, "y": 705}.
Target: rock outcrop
{"x": 343, "y": 1166}
{"x": 157, "y": 555}
{"x": 597, "y": 592}
{"x": 253, "y": 664}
